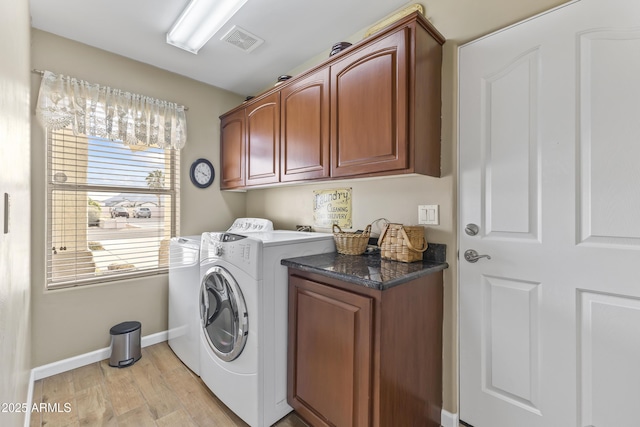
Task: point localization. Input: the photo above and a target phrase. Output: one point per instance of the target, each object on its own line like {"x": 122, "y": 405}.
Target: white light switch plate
{"x": 429, "y": 214}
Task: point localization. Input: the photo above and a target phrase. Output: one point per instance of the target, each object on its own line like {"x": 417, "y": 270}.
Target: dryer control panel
{"x": 236, "y": 249}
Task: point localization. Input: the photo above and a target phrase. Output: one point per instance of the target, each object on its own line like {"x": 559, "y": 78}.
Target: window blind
{"x": 111, "y": 209}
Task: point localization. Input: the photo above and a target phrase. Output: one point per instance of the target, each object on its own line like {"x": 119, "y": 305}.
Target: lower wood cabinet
{"x": 333, "y": 346}
{"x": 365, "y": 357}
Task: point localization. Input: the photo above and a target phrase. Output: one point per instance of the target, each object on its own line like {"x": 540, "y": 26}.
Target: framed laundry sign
{"x": 332, "y": 207}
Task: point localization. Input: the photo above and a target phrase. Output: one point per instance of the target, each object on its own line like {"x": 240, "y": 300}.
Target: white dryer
{"x": 184, "y": 284}
{"x": 243, "y": 310}
{"x": 184, "y": 287}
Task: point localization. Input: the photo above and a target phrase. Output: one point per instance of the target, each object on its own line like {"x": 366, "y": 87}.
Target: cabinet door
{"x": 263, "y": 141}
{"x": 232, "y": 144}
{"x": 305, "y": 128}
{"x": 369, "y": 108}
{"x": 330, "y": 356}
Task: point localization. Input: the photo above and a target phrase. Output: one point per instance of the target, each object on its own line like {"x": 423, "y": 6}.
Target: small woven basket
{"x": 351, "y": 243}
{"x": 402, "y": 243}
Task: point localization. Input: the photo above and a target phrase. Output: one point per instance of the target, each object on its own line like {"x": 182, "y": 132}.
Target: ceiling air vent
{"x": 242, "y": 39}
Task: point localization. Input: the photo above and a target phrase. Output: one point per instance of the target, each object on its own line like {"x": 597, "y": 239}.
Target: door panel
{"x": 510, "y": 340}
{"x": 608, "y": 362}
{"x": 608, "y": 186}
{"x": 510, "y": 149}
{"x": 549, "y": 170}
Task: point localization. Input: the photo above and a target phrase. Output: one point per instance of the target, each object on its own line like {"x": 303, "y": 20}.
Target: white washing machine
{"x": 243, "y": 309}
{"x": 184, "y": 287}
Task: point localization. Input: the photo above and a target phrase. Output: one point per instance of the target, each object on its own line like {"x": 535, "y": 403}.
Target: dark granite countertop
{"x": 370, "y": 270}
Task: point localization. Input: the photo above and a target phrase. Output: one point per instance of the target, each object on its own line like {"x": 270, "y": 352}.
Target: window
{"x": 111, "y": 209}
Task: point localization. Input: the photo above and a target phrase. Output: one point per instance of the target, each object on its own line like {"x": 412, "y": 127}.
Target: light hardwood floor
{"x": 158, "y": 390}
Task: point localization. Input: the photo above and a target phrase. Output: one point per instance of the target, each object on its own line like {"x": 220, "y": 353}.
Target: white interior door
{"x": 550, "y": 174}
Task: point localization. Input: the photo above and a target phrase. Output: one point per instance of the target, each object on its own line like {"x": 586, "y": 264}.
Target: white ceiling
{"x": 294, "y": 31}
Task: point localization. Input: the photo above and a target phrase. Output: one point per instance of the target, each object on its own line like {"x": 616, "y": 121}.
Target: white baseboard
{"x": 27, "y": 414}
{"x": 447, "y": 419}
{"x": 61, "y": 366}
{"x": 65, "y": 365}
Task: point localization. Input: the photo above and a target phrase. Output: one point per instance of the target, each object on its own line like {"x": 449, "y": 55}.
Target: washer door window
{"x": 223, "y": 313}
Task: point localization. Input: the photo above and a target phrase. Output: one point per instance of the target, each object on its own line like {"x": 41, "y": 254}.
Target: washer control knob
{"x": 217, "y": 250}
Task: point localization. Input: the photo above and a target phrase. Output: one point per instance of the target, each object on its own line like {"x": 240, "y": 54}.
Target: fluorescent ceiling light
{"x": 199, "y": 21}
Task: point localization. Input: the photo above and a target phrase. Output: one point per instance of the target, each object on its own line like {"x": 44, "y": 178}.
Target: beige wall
{"x": 75, "y": 321}
{"x": 15, "y": 325}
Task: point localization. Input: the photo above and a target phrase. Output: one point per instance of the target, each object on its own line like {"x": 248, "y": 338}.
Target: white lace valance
{"x": 104, "y": 112}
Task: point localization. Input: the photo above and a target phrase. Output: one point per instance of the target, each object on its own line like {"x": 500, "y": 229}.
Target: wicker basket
{"x": 402, "y": 243}
{"x": 351, "y": 243}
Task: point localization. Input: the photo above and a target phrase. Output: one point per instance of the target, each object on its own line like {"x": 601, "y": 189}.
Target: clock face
{"x": 202, "y": 173}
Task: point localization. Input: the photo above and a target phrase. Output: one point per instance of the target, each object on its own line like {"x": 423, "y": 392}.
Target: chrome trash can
{"x": 125, "y": 344}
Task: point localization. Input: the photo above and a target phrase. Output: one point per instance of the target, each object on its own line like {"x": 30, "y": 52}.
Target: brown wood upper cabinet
{"x": 372, "y": 109}
{"x": 305, "y": 128}
{"x": 232, "y": 145}
{"x": 263, "y": 140}
{"x": 369, "y": 92}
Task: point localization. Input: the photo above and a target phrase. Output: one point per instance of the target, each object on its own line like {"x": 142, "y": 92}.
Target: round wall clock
{"x": 202, "y": 173}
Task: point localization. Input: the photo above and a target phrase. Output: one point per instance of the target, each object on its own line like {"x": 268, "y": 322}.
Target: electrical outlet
{"x": 429, "y": 214}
